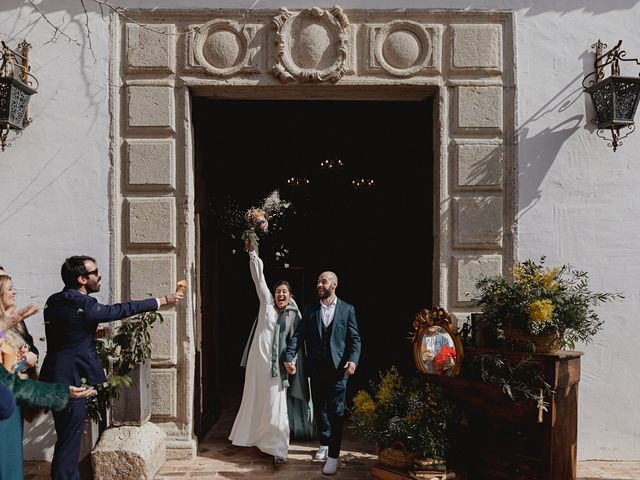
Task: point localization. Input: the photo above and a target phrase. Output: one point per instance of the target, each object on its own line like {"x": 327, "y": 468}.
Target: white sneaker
{"x": 322, "y": 453}
{"x": 331, "y": 466}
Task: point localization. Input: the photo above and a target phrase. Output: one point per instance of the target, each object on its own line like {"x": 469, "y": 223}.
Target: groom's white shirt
{"x": 328, "y": 311}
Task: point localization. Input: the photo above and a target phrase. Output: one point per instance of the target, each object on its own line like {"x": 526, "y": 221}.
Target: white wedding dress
{"x": 262, "y": 420}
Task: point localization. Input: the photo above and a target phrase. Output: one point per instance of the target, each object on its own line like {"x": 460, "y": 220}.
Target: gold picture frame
{"x": 437, "y": 348}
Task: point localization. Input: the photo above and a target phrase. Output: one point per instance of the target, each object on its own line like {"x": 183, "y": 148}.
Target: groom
{"x": 330, "y": 332}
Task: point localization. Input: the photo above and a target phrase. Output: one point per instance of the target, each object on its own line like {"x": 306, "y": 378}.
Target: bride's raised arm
{"x": 257, "y": 274}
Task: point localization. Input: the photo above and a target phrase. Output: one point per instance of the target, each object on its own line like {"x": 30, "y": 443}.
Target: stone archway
{"x": 465, "y": 59}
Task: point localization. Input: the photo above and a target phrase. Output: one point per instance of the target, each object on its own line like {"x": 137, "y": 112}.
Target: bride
{"x": 262, "y": 420}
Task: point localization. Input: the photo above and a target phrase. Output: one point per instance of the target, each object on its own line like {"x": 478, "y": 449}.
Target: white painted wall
{"x": 54, "y": 179}
{"x": 578, "y": 201}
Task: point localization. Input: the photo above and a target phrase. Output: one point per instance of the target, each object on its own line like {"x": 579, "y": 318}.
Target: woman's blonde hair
{"x": 4, "y": 281}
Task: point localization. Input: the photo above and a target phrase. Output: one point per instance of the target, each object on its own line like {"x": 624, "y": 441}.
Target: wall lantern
{"x": 615, "y": 98}
{"x": 15, "y": 90}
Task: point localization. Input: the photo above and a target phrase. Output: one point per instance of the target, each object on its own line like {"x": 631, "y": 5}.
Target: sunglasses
{"x": 92, "y": 272}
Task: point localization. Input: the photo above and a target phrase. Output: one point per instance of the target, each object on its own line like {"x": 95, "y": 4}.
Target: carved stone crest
{"x": 311, "y": 45}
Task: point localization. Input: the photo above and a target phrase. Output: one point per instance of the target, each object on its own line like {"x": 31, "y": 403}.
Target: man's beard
{"x": 323, "y": 293}
{"x": 93, "y": 287}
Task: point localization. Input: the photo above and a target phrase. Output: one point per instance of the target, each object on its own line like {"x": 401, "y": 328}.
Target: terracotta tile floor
{"x": 218, "y": 459}
{"x": 254, "y": 466}
{"x": 219, "y": 462}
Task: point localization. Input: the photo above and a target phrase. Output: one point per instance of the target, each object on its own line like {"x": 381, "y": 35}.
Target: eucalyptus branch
{"x": 520, "y": 380}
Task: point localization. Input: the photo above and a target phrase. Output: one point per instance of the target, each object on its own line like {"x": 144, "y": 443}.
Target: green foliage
{"x": 520, "y": 380}
{"x": 540, "y": 300}
{"x": 134, "y": 340}
{"x": 119, "y": 355}
{"x": 414, "y": 413}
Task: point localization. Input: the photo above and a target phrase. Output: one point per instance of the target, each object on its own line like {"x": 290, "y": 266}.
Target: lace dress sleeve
{"x": 257, "y": 274}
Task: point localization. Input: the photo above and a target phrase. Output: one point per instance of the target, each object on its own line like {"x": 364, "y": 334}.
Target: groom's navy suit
{"x": 71, "y": 319}
{"x": 328, "y": 350}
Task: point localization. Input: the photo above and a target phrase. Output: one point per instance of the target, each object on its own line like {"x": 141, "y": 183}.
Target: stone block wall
{"x": 465, "y": 59}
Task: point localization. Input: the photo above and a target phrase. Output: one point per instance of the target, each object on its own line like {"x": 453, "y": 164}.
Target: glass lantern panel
{"x": 14, "y": 99}
{"x": 626, "y": 100}
{"x": 602, "y": 97}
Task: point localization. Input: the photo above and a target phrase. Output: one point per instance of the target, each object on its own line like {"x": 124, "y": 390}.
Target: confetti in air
{"x": 257, "y": 220}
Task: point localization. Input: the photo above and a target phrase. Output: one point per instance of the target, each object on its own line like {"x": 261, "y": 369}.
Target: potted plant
{"x": 125, "y": 357}
{"x": 407, "y": 420}
{"x": 541, "y": 308}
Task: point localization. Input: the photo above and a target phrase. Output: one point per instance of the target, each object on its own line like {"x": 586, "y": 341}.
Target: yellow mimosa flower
{"x": 549, "y": 278}
{"x": 540, "y": 310}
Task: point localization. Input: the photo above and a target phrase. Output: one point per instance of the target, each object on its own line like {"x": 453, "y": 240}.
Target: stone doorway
{"x": 161, "y": 60}
{"x": 378, "y": 238}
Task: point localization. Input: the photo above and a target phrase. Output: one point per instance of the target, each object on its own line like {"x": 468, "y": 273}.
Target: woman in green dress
{"x": 28, "y": 393}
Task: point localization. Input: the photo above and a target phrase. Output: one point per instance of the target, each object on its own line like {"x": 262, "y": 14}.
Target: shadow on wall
{"x": 67, "y": 31}
{"x": 40, "y": 437}
{"x": 538, "y": 7}
{"x": 34, "y": 188}
{"x": 524, "y": 7}
{"x": 480, "y": 216}
{"x": 527, "y": 8}
{"x": 543, "y": 148}
{"x": 67, "y": 22}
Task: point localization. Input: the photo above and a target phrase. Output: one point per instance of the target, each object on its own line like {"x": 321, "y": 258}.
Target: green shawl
{"x": 298, "y": 386}
{"x": 31, "y": 393}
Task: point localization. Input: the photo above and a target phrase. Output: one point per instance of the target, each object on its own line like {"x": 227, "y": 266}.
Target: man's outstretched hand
{"x": 171, "y": 299}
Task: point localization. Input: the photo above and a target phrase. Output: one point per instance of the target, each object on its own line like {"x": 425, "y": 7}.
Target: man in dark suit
{"x": 71, "y": 320}
{"x": 330, "y": 332}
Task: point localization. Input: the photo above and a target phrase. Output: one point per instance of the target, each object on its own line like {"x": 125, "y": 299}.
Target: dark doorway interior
{"x": 378, "y": 240}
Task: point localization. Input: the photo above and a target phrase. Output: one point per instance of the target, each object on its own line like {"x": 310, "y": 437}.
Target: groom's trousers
{"x": 328, "y": 391}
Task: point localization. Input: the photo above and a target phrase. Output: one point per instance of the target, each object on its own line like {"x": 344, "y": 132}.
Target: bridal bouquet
{"x": 257, "y": 218}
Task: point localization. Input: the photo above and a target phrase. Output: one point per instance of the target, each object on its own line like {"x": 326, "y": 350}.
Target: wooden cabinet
{"x": 500, "y": 439}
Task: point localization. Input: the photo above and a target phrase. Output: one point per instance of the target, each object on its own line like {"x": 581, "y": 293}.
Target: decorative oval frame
{"x": 419, "y": 31}
{"x": 439, "y": 317}
{"x": 210, "y": 27}
{"x": 286, "y": 69}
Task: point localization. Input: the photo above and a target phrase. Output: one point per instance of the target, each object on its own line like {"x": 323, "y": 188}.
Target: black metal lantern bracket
{"x": 615, "y": 98}
{"x": 16, "y": 88}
